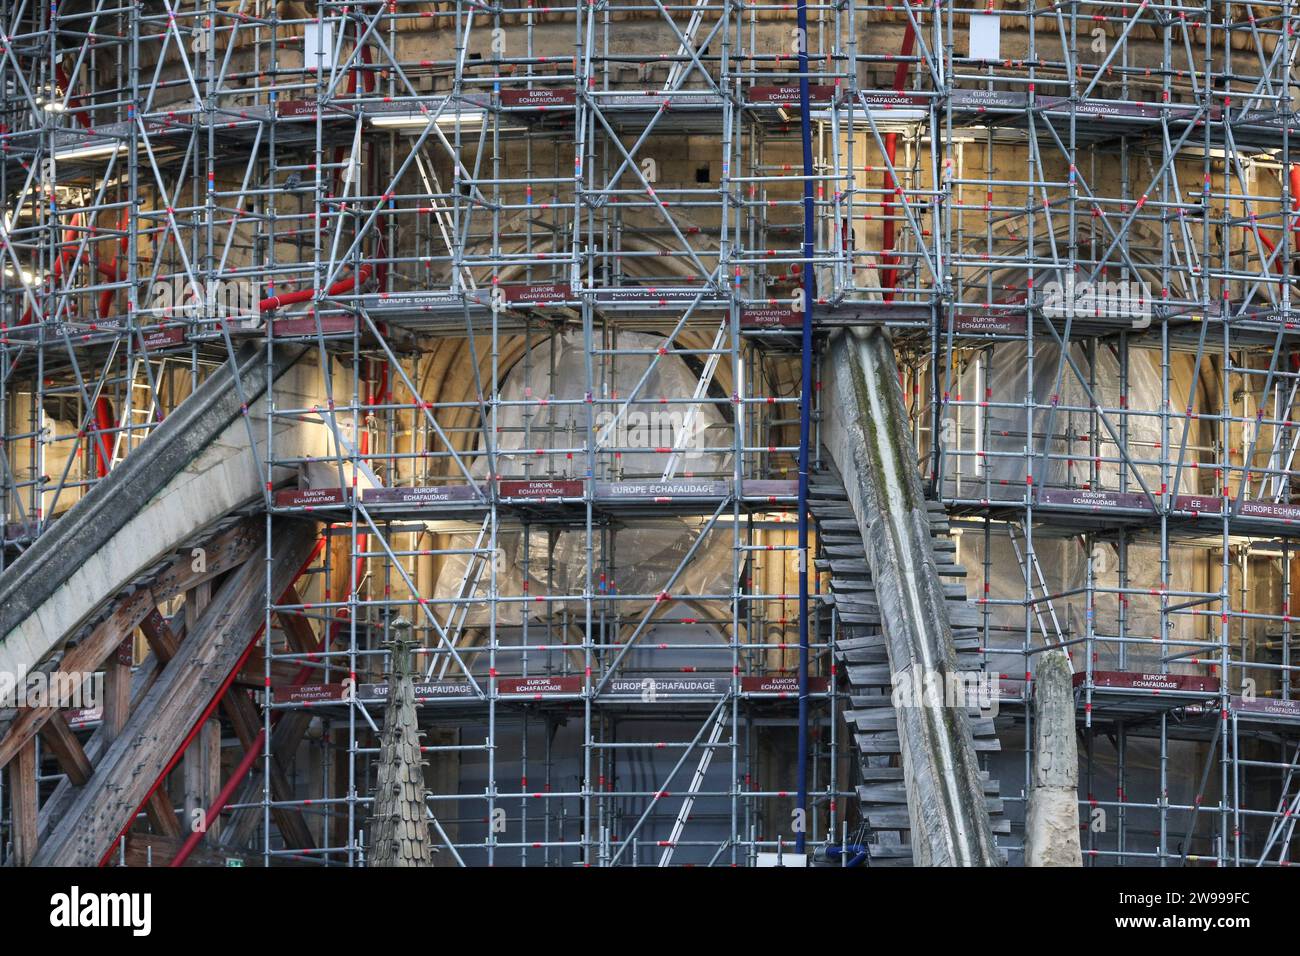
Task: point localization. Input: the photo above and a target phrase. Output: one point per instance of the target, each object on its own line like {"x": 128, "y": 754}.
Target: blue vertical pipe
{"x": 805, "y": 416}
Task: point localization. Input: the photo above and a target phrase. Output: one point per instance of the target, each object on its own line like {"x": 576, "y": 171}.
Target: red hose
{"x": 106, "y": 297}
{"x": 60, "y": 264}
{"x": 1295, "y": 194}
{"x": 306, "y": 295}
{"x": 103, "y": 425}
{"x": 74, "y": 101}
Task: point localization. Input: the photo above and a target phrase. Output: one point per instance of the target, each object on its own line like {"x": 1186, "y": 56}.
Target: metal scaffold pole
{"x": 806, "y": 360}
{"x": 505, "y": 328}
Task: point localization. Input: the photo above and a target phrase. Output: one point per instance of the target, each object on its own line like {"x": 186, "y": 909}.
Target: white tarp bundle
{"x": 644, "y": 553}
{"x": 633, "y": 425}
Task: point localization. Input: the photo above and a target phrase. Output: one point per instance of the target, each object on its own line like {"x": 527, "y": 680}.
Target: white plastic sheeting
{"x": 1000, "y": 377}
{"x": 645, "y": 553}
{"x": 1063, "y": 564}
{"x": 1099, "y": 780}
{"x": 556, "y": 370}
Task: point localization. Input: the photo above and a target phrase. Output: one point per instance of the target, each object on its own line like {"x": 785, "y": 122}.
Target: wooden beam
{"x": 22, "y": 802}
{"x": 252, "y": 676}
{"x": 339, "y": 754}
{"x": 164, "y": 644}
{"x": 297, "y": 629}
{"x": 193, "y": 761}
{"x": 201, "y": 769}
{"x": 196, "y": 601}
{"x": 230, "y": 549}
{"x": 243, "y": 714}
{"x": 85, "y": 658}
{"x": 143, "y": 677}
{"x": 63, "y": 744}
{"x": 117, "y": 691}
{"x": 159, "y": 634}
{"x": 162, "y": 814}
{"x": 290, "y": 727}
{"x": 170, "y": 710}
{"x": 289, "y": 730}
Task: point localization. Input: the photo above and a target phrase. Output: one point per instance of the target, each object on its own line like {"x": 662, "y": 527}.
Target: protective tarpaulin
{"x": 644, "y": 557}
{"x": 1063, "y": 565}
{"x": 988, "y": 444}
{"x": 645, "y": 553}
{"x": 1103, "y": 827}
{"x": 632, "y": 440}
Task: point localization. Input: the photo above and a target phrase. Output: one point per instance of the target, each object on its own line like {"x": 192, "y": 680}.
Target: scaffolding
{"x": 564, "y": 277}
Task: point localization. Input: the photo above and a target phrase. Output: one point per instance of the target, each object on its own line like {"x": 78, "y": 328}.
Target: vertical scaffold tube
{"x": 805, "y": 419}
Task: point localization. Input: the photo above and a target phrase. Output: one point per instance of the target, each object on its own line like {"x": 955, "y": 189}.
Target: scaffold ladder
{"x": 1284, "y": 819}
{"x": 697, "y": 781}
{"x": 137, "y": 417}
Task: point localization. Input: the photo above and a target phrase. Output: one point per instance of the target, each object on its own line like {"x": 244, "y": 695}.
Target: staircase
{"x": 862, "y": 655}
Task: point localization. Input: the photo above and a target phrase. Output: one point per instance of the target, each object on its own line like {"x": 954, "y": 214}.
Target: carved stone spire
{"x": 399, "y": 824}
